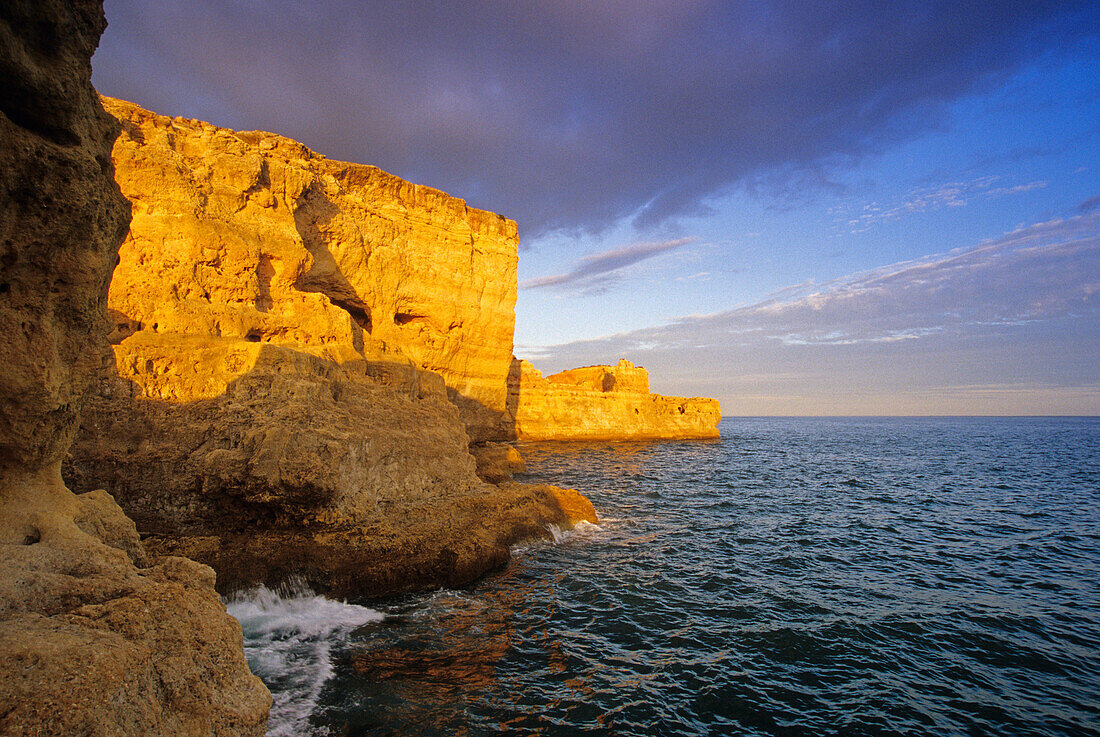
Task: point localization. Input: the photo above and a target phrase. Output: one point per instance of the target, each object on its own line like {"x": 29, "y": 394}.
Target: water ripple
{"x": 819, "y": 577}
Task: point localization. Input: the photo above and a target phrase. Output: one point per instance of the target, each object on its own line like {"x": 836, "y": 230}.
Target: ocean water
{"x": 856, "y": 576}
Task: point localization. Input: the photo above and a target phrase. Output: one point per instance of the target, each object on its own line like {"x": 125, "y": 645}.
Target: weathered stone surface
{"x": 623, "y": 377}
{"x": 91, "y": 641}
{"x": 91, "y": 644}
{"x": 303, "y": 468}
{"x": 422, "y": 542}
{"x": 61, "y": 220}
{"x": 603, "y": 403}
{"x": 252, "y": 236}
{"x": 496, "y": 462}
{"x": 288, "y": 331}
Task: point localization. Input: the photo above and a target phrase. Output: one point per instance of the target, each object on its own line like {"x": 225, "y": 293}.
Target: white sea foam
{"x": 288, "y": 641}
{"x": 580, "y": 530}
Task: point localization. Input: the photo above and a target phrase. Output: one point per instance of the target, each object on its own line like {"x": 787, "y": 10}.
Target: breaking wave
{"x": 289, "y": 640}
{"x": 559, "y": 535}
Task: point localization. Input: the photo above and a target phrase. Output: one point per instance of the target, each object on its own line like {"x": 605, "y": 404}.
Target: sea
{"x": 826, "y": 576}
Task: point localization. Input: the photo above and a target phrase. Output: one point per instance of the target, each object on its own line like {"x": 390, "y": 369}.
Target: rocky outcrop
{"x": 603, "y": 403}
{"x": 303, "y": 349}
{"x": 93, "y": 640}
{"x": 496, "y": 462}
{"x": 304, "y": 468}
{"x": 253, "y": 237}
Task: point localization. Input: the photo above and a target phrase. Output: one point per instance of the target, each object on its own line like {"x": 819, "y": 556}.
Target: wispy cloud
{"x": 1022, "y": 309}
{"x": 1089, "y": 205}
{"x": 928, "y": 199}
{"x": 595, "y": 271}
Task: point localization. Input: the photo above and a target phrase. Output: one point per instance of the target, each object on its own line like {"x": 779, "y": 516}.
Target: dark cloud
{"x": 1089, "y": 205}
{"x": 596, "y": 268}
{"x": 569, "y": 114}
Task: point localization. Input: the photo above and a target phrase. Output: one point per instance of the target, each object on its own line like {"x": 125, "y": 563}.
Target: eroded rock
{"x": 251, "y": 236}
{"x": 496, "y": 462}
{"x": 92, "y": 642}
{"x": 302, "y": 468}
{"x": 303, "y": 350}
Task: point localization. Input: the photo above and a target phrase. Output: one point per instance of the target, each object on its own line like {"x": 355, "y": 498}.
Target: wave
{"x": 288, "y": 640}
{"x": 558, "y": 536}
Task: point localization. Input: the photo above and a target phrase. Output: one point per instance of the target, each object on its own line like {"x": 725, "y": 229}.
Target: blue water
{"x": 853, "y": 576}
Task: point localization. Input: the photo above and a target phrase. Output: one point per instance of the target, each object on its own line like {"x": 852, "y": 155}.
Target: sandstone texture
{"x": 252, "y": 237}
{"x": 603, "y": 403}
{"x": 496, "y": 462}
{"x": 93, "y": 640}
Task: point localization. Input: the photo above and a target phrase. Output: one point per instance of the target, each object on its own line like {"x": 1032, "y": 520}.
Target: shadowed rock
{"x": 92, "y": 640}
{"x": 351, "y": 476}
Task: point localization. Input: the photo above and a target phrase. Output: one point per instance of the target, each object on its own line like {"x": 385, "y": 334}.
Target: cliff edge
{"x": 93, "y": 640}
{"x": 250, "y": 236}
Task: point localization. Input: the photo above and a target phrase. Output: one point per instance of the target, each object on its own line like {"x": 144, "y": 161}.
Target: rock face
{"x": 496, "y": 462}
{"x": 93, "y": 640}
{"x": 253, "y": 237}
{"x": 305, "y": 468}
{"x": 302, "y": 351}
{"x": 603, "y": 403}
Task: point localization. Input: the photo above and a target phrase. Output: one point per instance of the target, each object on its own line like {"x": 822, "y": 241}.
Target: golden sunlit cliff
{"x": 302, "y": 352}
{"x": 252, "y": 237}
{"x": 603, "y": 403}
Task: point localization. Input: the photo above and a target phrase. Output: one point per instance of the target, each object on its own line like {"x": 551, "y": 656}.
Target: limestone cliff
{"x": 93, "y": 640}
{"x": 603, "y": 403}
{"x": 253, "y": 237}
{"x": 302, "y": 351}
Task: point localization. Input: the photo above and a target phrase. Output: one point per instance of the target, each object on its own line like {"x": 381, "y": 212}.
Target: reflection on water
{"x": 448, "y": 645}
{"x": 856, "y": 577}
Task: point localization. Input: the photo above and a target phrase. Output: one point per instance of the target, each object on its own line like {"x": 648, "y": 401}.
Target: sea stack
{"x": 93, "y": 639}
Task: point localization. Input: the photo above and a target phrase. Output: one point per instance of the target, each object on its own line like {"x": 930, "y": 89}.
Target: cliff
{"x": 93, "y": 639}
{"x": 302, "y": 351}
{"x": 253, "y": 237}
{"x": 603, "y": 403}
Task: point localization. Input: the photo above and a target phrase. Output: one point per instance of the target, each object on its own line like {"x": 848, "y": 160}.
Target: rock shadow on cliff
{"x": 312, "y": 210}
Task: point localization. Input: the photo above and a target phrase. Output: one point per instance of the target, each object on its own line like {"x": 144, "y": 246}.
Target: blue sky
{"x": 871, "y": 209}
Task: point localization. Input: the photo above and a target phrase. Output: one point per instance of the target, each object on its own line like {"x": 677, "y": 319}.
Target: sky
{"x": 858, "y": 208}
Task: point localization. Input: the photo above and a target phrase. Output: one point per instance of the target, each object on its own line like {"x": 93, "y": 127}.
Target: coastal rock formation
{"x": 93, "y": 640}
{"x": 303, "y": 350}
{"x": 603, "y": 403}
{"x": 253, "y": 237}
{"x": 496, "y": 462}
{"x": 307, "y": 469}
